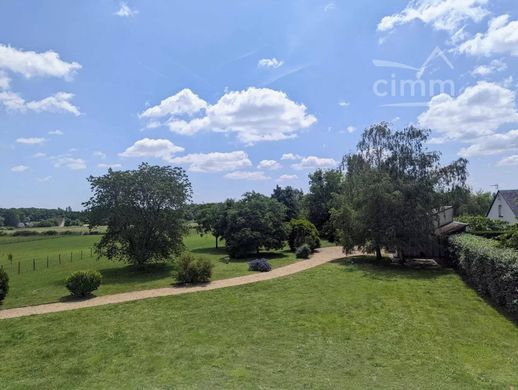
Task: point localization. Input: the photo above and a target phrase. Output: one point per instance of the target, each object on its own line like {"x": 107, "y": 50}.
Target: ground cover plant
{"x": 340, "y": 325}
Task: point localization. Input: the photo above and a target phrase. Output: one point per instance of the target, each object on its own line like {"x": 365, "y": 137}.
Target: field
{"x": 44, "y": 285}
{"x": 341, "y": 325}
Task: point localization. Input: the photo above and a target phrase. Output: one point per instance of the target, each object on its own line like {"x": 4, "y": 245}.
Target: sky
{"x": 246, "y": 95}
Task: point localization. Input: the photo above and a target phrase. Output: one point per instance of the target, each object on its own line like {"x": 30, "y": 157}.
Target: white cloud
{"x": 5, "y": 81}
{"x": 350, "y": 129}
{"x": 99, "y": 154}
{"x": 492, "y": 144}
{"x": 268, "y": 164}
{"x": 39, "y": 155}
{"x": 508, "y": 161}
{"x": 247, "y": 175}
{"x": 500, "y": 38}
{"x": 44, "y": 179}
{"x": 492, "y": 67}
{"x": 30, "y": 141}
{"x": 156, "y": 148}
{"x": 74, "y": 164}
{"x": 59, "y": 102}
{"x": 313, "y": 162}
{"x": 478, "y": 111}
{"x": 184, "y": 102}
{"x": 291, "y": 156}
{"x": 254, "y": 115}
{"x": 125, "y": 10}
{"x": 106, "y": 166}
{"x": 343, "y": 103}
{"x": 56, "y": 132}
{"x": 270, "y": 63}
{"x": 329, "y": 7}
{"x": 283, "y": 178}
{"x": 214, "y": 162}
{"x": 446, "y": 15}
{"x": 19, "y": 168}
{"x": 31, "y": 64}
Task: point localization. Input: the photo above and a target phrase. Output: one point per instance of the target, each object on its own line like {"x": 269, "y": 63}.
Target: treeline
{"x": 40, "y": 217}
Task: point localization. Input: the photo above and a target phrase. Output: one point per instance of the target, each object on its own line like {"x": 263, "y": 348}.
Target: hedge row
{"x": 493, "y": 271}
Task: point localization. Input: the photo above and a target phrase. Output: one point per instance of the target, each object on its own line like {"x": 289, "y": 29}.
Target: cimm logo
{"x": 414, "y": 87}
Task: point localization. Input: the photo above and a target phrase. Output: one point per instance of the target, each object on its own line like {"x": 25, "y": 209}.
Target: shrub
{"x": 193, "y": 270}
{"x": 26, "y": 233}
{"x": 303, "y": 252}
{"x": 4, "y": 284}
{"x": 260, "y": 265}
{"x": 50, "y": 233}
{"x": 493, "y": 271}
{"x": 82, "y": 283}
{"x": 478, "y": 223}
{"x": 509, "y": 239}
{"x": 303, "y": 232}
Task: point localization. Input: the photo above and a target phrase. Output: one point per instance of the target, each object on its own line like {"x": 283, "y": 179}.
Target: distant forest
{"x": 37, "y": 217}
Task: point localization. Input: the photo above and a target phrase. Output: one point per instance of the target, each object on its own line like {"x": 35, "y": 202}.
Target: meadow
{"x": 348, "y": 324}
{"x": 36, "y": 283}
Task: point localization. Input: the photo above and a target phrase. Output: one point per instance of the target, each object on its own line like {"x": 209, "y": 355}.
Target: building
{"x": 505, "y": 206}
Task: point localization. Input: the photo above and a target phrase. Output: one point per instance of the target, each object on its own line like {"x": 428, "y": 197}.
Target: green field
{"x": 47, "y": 284}
{"x": 340, "y": 325}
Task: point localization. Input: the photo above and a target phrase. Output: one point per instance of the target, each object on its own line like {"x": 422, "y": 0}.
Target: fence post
{"x": 18, "y": 268}
{"x": 47, "y": 262}
{"x": 60, "y": 258}
{"x": 34, "y": 264}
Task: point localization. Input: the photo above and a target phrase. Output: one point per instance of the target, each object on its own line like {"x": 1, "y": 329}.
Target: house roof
{"x": 451, "y": 228}
{"x": 510, "y": 197}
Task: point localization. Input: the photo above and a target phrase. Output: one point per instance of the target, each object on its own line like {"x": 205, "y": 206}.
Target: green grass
{"x": 47, "y": 284}
{"x": 340, "y": 325}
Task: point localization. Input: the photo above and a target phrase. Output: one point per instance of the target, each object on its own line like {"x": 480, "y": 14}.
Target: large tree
{"x": 144, "y": 211}
{"x": 253, "y": 223}
{"x": 211, "y": 218}
{"x": 291, "y": 198}
{"x": 392, "y": 186}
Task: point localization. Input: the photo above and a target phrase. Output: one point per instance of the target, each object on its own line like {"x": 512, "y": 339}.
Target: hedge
{"x": 492, "y": 270}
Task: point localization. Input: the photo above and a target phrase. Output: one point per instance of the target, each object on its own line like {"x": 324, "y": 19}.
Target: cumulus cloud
{"x": 30, "y": 141}
{"x": 478, "y": 111}
{"x": 247, "y": 175}
{"x": 253, "y": 115}
{"x": 71, "y": 163}
{"x": 59, "y": 102}
{"x": 5, "y": 81}
{"x": 19, "y": 168}
{"x": 492, "y": 67}
{"x": 56, "y": 132}
{"x": 291, "y": 156}
{"x": 125, "y": 10}
{"x": 31, "y": 64}
{"x": 268, "y": 164}
{"x": 214, "y": 162}
{"x": 500, "y": 38}
{"x": 270, "y": 63}
{"x": 492, "y": 144}
{"x": 284, "y": 178}
{"x": 350, "y": 129}
{"x": 313, "y": 162}
{"x": 508, "y": 161}
{"x": 446, "y": 15}
{"x": 156, "y": 148}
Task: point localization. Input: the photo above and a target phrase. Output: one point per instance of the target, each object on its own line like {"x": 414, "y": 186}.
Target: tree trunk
{"x": 378, "y": 252}
{"x": 216, "y": 242}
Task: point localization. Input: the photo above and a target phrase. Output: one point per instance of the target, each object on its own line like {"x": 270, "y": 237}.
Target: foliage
{"x": 291, "y": 198}
{"x": 144, "y": 210}
{"x": 493, "y": 271}
{"x": 4, "y": 284}
{"x": 323, "y": 186}
{"x": 193, "y": 270}
{"x": 82, "y": 283}
{"x": 467, "y": 202}
{"x": 260, "y": 265}
{"x": 303, "y": 232}
{"x": 509, "y": 239}
{"x": 392, "y": 186}
{"x": 211, "y": 218}
{"x": 253, "y": 223}
{"x": 303, "y": 252}
{"x": 478, "y": 223}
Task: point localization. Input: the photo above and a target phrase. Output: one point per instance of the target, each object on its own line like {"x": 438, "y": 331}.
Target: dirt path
{"x": 324, "y": 255}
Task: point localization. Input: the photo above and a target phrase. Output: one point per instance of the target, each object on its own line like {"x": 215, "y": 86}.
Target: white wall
{"x": 507, "y": 213}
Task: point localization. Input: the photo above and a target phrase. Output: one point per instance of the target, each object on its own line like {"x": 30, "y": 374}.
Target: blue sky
{"x": 246, "y": 95}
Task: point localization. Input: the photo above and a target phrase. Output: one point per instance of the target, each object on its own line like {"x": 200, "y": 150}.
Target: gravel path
{"x": 323, "y": 255}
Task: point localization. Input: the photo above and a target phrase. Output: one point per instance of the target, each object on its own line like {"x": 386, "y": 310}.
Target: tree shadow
{"x": 209, "y": 251}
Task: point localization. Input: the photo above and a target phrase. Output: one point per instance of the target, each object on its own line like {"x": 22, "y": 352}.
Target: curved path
{"x": 323, "y": 255}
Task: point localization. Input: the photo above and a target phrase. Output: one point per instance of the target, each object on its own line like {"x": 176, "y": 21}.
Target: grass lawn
{"x": 47, "y": 284}
{"x": 340, "y": 325}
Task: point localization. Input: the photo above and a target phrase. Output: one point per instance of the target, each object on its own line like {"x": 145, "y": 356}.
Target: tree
{"x": 291, "y": 198}
{"x": 212, "y": 218}
{"x": 303, "y": 232}
{"x": 253, "y": 223}
{"x": 391, "y": 188}
{"x": 11, "y": 218}
{"x": 144, "y": 211}
{"x": 323, "y": 185}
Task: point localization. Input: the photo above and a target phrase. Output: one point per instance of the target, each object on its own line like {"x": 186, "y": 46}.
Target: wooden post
{"x": 60, "y": 258}
{"x": 18, "y": 268}
{"x": 34, "y": 264}
{"x": 47, "y": 262}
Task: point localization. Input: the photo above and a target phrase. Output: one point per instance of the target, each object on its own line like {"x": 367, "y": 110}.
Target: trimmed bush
{"x": 493, "y": 271}
{"x": 193, "y": 270}
{"x": 82, "y": 283}
{"x": 303, "y": 232}
{"x": 478, "y": 223}
{"x": 509, "y": 239}
{"x": 260, "y": 265}
{"x": 303, "y": 252}
{"x": 4, "y": 284}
